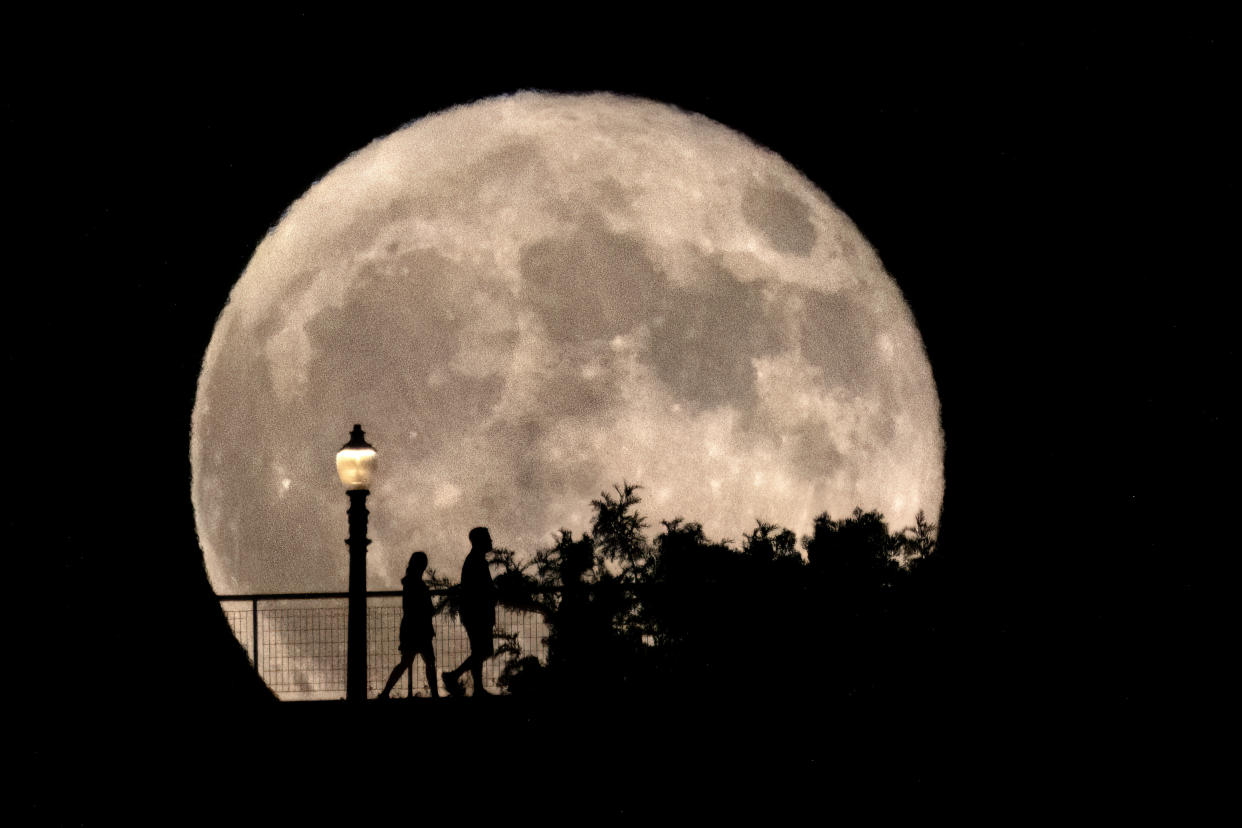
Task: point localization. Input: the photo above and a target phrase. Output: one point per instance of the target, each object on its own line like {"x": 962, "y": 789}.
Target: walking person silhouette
{"x": 416, "y": 629}
{"x": 478, "y": 613}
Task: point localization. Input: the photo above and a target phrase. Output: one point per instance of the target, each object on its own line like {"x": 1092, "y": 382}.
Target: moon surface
{"x": 530, "y": 298}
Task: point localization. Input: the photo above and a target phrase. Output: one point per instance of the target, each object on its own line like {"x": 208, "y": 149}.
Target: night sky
{"x": 1051, "y": 206}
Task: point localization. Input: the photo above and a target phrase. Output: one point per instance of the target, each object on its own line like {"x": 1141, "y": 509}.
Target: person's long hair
{"x": 418, "y": 561}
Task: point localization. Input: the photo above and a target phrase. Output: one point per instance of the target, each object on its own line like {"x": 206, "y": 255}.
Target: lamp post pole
{"x": 355, "y": 463}
{"x": 356, "y": 657}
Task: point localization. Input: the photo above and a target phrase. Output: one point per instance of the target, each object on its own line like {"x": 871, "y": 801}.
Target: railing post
{"x": 254, "y": 633}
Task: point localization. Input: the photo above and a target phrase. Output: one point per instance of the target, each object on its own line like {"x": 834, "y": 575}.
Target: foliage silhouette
{"x": 918, "y": 541}
{"x": 683, "y": 614}
{"x": 618, "y": 532}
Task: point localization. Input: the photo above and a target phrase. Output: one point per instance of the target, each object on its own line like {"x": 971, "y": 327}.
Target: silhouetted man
{"x": 478, "y": 612}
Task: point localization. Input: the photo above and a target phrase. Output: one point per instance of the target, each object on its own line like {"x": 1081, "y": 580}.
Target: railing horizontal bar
{"x": 379, "y": 593}
{"x": 299, "y": 596}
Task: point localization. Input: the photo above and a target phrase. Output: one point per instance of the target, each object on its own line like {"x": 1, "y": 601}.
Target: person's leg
{"x": 429, "y": 664}
{"x": 407, "y": 661}
{"x": 480, "y": 651}
{"x": 476, "y": 673}
{"x": 451, "y": 677}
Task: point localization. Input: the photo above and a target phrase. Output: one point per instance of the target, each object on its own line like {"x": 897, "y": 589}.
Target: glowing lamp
{"x": 355, "y": 462}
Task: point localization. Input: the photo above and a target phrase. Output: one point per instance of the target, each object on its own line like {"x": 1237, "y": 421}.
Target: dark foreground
{"x": 504, "y": 759}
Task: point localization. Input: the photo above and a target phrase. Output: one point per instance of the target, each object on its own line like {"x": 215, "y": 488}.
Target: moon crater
{"x": 782, "y": 218}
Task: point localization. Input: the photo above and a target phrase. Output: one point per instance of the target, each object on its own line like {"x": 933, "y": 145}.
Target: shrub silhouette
{"x": 685, "y": 614}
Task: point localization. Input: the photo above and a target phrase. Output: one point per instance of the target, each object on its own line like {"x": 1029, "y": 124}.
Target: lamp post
{"x": 355, "y": 463}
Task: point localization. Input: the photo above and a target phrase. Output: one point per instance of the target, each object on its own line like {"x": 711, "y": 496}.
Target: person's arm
{"x": 429, "y": 608}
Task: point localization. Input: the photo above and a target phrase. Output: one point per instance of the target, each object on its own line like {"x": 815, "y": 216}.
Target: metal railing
{"x": 297, "y": 642}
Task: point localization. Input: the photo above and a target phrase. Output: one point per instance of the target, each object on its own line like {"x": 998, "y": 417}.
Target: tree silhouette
{"x": 618, "y": 532}
{"x": 855, "y": 552}
{"x": 592, "y": 638}
{"x": 766, "y": 543}
{"x": 684, "y": 614}
{"x": 515, "y": 587}
{"x": 918, "y": 541}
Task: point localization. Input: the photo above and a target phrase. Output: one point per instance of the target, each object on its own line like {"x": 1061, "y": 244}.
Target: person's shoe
{"x": 453, "y": 685}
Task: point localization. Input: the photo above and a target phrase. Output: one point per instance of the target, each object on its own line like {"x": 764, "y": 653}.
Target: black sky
{"x": 1052, "y": 205}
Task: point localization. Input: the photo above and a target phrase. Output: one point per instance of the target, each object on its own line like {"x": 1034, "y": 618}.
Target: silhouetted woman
{"x": 416, "y": 629}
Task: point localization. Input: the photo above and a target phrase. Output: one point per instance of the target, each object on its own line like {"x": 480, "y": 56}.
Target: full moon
{"x": 531, "y": 298}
